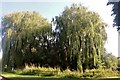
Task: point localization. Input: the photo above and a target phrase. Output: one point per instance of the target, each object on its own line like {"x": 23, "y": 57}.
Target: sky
{"x": 52, "y": 8}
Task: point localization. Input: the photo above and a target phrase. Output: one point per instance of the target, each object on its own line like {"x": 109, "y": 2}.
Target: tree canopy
{"x": 116, "y": 13}
{"x": 76, "y": 43}
{"x": 81, "y": 36}
{"x": 24, "y": 35}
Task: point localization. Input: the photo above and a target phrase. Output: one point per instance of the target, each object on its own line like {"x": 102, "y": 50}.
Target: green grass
{"x": 33, "y": 77}
{"x": 42, "y": 73}
{"x": 37, "y": 78}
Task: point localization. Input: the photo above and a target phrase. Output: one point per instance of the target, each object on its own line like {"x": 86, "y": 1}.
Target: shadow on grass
{"x": 48, "y": 79}
{"x": 28, "y": 78}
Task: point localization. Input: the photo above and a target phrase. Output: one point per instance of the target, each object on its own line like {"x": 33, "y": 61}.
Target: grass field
{"x": 42, "y": 73}
{"x": 63, "y": 79}
{"x": 52, "y": 78}
{"x": 33, "y": 77}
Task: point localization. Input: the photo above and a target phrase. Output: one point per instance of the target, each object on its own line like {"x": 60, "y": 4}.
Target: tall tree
{"x": 81, "y": 34}
{"x": 25, "y": 38}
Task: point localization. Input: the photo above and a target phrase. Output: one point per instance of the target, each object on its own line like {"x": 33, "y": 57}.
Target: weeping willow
{"x": 82, "y": 35}
{"x": 20, "y": 30}
{"x": 78, "y": 43}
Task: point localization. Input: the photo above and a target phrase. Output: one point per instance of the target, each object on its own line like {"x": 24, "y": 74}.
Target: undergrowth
{"x": 56, "y": 72}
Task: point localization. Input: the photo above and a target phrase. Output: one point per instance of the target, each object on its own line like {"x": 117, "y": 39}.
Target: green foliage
{"x": 76, "y": 44}
{"x": 25, "y": 39}
{"x": 110, "y": 61}
{"x": 43, "y": 71}
{"x": 55, "y": 72}
{"x": 95, "y": 73}
{"x": 115, "y": 13}
{"x": 81, "y": 35}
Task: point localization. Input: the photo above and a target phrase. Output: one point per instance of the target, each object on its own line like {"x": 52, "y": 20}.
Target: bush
{"x": 43, "y": 71}
{"x": 71, "y": 74}
{"x": 100, "y": 73}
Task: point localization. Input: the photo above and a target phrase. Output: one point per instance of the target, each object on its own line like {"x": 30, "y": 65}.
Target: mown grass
{"x": 34, "y": 77}
{"x": 12, "y": 76}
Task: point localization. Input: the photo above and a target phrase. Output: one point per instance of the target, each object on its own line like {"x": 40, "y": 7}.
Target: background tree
{"x": 116, "y": 13}
{"x": 110, "y": 61}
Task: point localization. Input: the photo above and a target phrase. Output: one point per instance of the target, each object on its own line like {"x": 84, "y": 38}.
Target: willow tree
{"x": 81, "y": 36}
{"x": 25, "y": 36}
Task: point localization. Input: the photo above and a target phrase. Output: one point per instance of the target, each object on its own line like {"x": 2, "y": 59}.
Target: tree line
{"x": 76, "y": 43}
{"x": 115, "y": 13}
